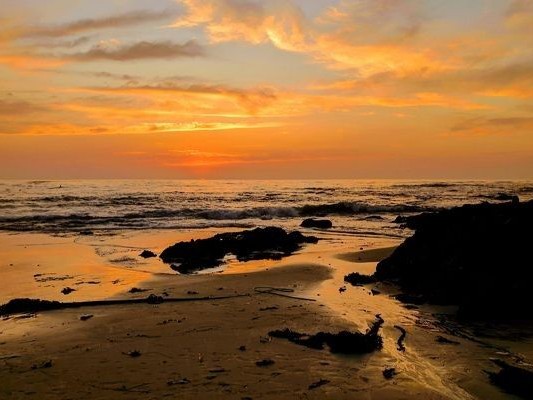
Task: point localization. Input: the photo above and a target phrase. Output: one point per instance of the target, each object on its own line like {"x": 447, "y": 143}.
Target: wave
{"x": 156, "y": 218}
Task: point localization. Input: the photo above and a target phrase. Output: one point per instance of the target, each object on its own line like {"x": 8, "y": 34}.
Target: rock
{"x": 389, "y": 373}
{"x": 465, "y": 256}
{"x": 357, "y": 279}
{"x": 256, "y": 244}
{"x": 264, "y": 363}
{"x": 133, "y": 353}
{"x": 375, "y": 292}
{"x": 316, "y": 223}
{"x": 137, "y": 290}
{"x": 514, "y": 380}
{"x": 147, "y": 254}
{"x": 67, "y": 290}
{"x": 86, "y": 317}
{"x": 17, "y": 306}
{"x": 343, "y": 342}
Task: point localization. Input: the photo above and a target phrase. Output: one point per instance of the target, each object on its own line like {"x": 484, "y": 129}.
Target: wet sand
{"x": 193, "y": 350}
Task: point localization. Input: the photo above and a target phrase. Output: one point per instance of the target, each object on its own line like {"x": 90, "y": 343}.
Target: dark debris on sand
{"x": 137, "y": 290}
{"x": 67, "y": 290}
{"x": 343, "y": 342}
{"x": 256, "y": 244}
{"x": 318, "y": 383}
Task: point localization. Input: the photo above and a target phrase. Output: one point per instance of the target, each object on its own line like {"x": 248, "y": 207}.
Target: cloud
{"x": 280, "y": 23}
{"x": 250, "y": 99}
{"x": 139, "y": 51}
{"x": 512, "y": 80}
{"x": 12, "y": 108}
{"x": 62, "y": 43}
{"x": 89, "y": 24}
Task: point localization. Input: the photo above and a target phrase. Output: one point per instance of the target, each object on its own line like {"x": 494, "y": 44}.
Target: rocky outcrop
{"x": 259, "y": 243}
{"x": 357, "y": 279}
{"x": 316, "y": 223}
{"x": 147, "y": 254}
{"x": 475, "y": 256}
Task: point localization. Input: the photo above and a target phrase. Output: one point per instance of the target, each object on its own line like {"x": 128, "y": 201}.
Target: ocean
{"x": 361, "y": 207}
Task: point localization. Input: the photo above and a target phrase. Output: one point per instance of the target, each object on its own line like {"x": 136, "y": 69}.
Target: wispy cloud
{"x": 90, "y": 24}
{"x": 139, "y": 51}
{"x": 252, "y": 99}
{"x": 19, "y": 108}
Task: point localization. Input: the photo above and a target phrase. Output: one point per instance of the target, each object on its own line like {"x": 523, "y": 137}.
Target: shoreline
{"x": 191, "y": 349}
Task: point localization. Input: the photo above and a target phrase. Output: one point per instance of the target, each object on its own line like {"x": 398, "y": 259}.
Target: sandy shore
{"x": 195, "y": 349}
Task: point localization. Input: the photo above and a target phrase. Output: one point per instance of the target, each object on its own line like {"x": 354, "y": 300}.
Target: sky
{"x": 249, "y": 89}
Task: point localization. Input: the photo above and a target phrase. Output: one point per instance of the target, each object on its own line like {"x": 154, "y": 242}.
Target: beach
{"x": 209, "y": 348}
{"x": 81, "y": 241}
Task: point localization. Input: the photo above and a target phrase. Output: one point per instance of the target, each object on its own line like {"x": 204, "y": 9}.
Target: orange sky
{"x": 266, "y": 89}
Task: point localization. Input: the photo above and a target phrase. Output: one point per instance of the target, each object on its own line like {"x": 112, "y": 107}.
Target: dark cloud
{"x": 116, "y": 21}
{"x": 140, "y": 50}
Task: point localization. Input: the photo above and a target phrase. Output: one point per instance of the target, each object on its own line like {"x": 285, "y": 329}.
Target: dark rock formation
{"x": 512, "y": 379}
{"x": 147, "y": 254}
{"x": 474, "y": 256}
{"x": 357, "y": 279}
{"x": 259, "y": 243}
{"x": 343, "y": 342}
{"x": 316, "y": 223}
{"x": 389, "y": 373}
{"x": 17, "y": 306}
